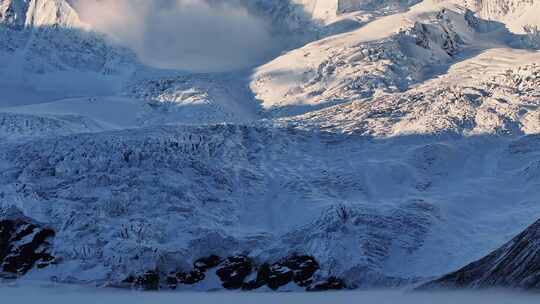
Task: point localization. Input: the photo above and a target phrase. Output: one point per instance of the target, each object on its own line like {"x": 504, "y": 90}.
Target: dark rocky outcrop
{"x": 278, "y": 275}
{"x": 263, "y": 271}
{"x": 296, "y": 268}
{"x": 233, "y": 271}
{"x": 304, "y": 267}
{"x": 203, "y": 264}
{"x": 196, "y": 275}
{"x": 273, "y": 276}
{"x": 149, "y": 280}
{"x": 187, "y": 278}
{"x": 24, "y": 244}
{"x": 514, "y": 265}
{"x": 190, "y": 278}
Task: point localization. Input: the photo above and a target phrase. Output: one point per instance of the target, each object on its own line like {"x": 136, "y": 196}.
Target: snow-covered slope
{"x": 329, "y": 11}
{"x": 387, "y": 55}
{"x": 415, "y": 151}
{"x": 496, "y": 92}
{"x": 514, "y": 13}
{"x": 17, "y": 125}
{"x": 515, "y": 265}
{"x": 47, "y": 52}
{"x": 396, "y": 210}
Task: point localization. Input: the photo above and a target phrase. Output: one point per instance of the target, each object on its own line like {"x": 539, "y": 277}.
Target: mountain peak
{"x": 13, "y": 12}
{"x": 37, "y": 13}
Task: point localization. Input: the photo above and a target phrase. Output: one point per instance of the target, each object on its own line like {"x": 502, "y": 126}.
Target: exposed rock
{"x": 514, "y": 265}
{"x": 196, "y": 275}
{"x": 148, "y": 281}
{"x": 190, "y": 278}
{"x": 303, "y": 267}
{"x": 279, "y": 276}
{"x": 233, "y": 271}
{"x": 263, "y": 272}
{"x": 203, "y": 264}
{"x": 172, "y": 281}
{"x": 130, "y": 280}
{"x": 297, "y": 269}
{"x": 23, "y": 244}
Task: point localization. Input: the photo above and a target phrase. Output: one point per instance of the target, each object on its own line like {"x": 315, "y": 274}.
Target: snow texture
{"x": 390, "y": 142}
{"x": 514, "y": 265}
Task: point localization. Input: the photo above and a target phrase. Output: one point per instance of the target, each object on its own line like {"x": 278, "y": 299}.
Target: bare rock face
{"x": 23, "y": 244}
{"x": 240, "y": 272}
{"x": 234, "y": 271}
{"x": 147, "y": 281}
{"x": 13, "y": 13}
{"x": 297, "y": 268}
{"x": 514, "y": 265}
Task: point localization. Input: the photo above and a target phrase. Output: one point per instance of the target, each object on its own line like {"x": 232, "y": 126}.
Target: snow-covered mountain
{"x": 36, "y": 13}
{"x": 46, "y": 50}
{"x": 514, "y": 13}
{"x": 395, "y": 142}
{"x": 51, "y": 25}
{"x": 387, "y": 55}
{"x": 515, "y": 265}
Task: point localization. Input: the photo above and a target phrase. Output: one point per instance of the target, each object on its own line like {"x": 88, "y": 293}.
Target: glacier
{"x": 387, "y": 143}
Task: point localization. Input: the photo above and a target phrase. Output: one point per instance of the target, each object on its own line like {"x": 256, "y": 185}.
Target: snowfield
{"x": 29, "y": 293}
{"x": 391, "y": 143}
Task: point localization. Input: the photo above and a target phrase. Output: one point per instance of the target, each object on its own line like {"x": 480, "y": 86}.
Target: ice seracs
{"x": 397, "y": 151}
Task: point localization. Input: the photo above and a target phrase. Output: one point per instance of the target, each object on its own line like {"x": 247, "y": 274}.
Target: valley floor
{"x": 63, "y": 294}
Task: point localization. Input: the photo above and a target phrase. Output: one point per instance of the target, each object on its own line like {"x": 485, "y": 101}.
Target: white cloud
{"x": 186, "y": 34}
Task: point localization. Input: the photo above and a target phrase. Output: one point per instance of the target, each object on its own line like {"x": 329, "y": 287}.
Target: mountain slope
{"x": 245, "y": 190}
{"x": 48, "y": 53}
{"x": 514, "y": 13}
{"x": 516, "y": 264}
{"x": 476, "y": 96}
{"x": 388, "y": 55}
{"x": 401, "y": 149}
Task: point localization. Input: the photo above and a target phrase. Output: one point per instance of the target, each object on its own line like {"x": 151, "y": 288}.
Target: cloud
{"x": 197, "y": 35}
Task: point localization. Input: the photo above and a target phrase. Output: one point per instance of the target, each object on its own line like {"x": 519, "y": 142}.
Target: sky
{"x": 194, "y": 35}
